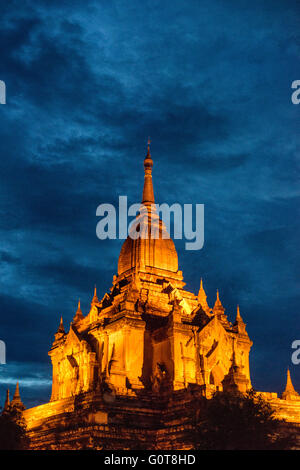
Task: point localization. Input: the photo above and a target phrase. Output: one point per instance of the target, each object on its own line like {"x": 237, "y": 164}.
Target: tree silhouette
{"x": 240, "y": 422}
{"x": 12, "y": 430}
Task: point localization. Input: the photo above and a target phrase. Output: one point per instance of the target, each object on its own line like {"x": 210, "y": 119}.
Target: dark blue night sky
{"x": 87, "y": 82}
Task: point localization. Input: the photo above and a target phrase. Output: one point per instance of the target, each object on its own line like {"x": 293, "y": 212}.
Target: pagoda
{"x": 129, "y": 372}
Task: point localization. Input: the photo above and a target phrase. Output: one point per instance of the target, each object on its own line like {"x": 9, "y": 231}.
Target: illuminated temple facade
{"x": 128, "y": 374}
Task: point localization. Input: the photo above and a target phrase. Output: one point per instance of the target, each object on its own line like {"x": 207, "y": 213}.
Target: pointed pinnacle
{"x": 16, "y": 401}
{"x": 202, "y": 297}
{"x": 17, "y": 392}
{"x": 148, "y": 147}
{"x": 61, "y": 326}
{"x": 218, "y": 307}
{"x": 201, "y": 293}
{"x": 95, "y": 298}
{"x": 289, "y": 385}
{"x": 148, "y": 193}
{"x": 78, "y": 315}
{"x": 238, "y": 314}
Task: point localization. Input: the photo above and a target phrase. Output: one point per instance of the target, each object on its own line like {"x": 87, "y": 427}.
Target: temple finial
{"x": 218, "y": 307}
{"x": 61, "y": 326}
{"x": 148, "y": 147}
{"x": 78, "y": 315}
{"x": 95, "y": 298}
{"x": 289, "y": 384}
{"x": 148, "y": 193}
{"x": 289, "y": 392}
{"x": 238, "y": 314}
{"x": 218, "y": 303}
{"x": 17, "y": 392}
{"x": 16, "y": 401}
{"x": 239, "y": 325}
{"x": 202, "y": 297}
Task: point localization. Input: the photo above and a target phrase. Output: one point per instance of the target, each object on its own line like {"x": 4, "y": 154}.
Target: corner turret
{"x": 289, "y": 392}
{"x": 16, "y": 401}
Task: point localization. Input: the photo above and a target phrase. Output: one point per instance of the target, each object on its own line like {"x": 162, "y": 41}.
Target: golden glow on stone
{"x": 147, "y": 334}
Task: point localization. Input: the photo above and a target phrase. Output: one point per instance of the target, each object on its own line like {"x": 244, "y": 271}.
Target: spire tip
{"x": 148, "y": 194}
{"x": 148, "y": 147}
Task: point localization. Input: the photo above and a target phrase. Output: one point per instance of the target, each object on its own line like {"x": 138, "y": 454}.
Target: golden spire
{"x": 60, "y": 330}
{"x": 219, "y": 310}
{"x": 16, "y": 401}
{"x": 148, "y": 147}
{"x": 239, "y": 325}
{"x": 148, "y": 194}
{"x": 289, "y": 385}
{"x": 61, "y": 326}
{"x": 95, "y": 298}
{"x": 289, "y": 392}
{"x": 78, "y": 315}
{"x": 238, "y": 314}
{"x": 17, "y": 392}
{"x": 150, "y": 246}
{"x": 202, "y": 297}
{"x": 218, "y": 304}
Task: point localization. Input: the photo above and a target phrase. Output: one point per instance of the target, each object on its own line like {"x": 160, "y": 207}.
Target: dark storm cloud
{"x": 66, "y": 271}
{"x": 87, "y": 82}
{"x": 24, "y": 325}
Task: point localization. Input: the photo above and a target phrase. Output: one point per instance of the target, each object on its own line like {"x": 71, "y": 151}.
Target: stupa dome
{"x": 148, "y": 250}
{"x": 157, "y": 253}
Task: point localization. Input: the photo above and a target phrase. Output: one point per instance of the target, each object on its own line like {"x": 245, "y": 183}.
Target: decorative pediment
{"x": 214, "y": 330}
{"x": 72, "y": 337}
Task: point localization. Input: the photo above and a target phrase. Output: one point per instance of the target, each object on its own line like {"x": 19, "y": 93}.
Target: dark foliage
{"x": 12, "y": 431}
{"x": 240, "y": 422}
